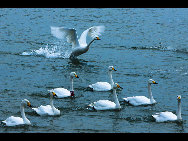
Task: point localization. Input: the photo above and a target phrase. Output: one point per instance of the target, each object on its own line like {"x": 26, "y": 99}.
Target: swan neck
{"x": 90, "y": 43}
{"x": 179, "y": 110}
{"x": 25, "y": 120}
{"x": 116, "y": 101}
{"x": 51, "y": 101}
{"x": 71, "y": 87}
{"x": 111, "y": 80}
{"x": 150, "y": 94}
{"x": 22, "y": 111}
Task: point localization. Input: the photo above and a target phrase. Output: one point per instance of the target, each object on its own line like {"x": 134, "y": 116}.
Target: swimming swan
{"x": 106, "y": 104}
{"x": 48, "y": 109}
{"x": 142, "y": 100}
{"x": 62, "y": 92}
{"x": 169, "y": 116}
{"x": 104, "y": 86}
{"x": 79, "y": 46}
{"x": 13, "y": 121}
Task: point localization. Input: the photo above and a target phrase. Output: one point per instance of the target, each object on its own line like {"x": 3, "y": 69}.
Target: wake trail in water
{"x": 57, "y": 50}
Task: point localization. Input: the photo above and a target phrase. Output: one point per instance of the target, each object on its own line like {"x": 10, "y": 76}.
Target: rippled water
{"x": 140, "y": 43}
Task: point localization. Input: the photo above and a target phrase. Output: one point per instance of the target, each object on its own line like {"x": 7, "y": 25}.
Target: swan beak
{"x": 119, "y": 86}
{"x": 114, "y": 69}
{"x": 98, "y": 38}
{"x": 29, "y": 104}
{"x": 154, "y": 82}
{"x": 54, "y": 94}
{"x": 76, "y": 76}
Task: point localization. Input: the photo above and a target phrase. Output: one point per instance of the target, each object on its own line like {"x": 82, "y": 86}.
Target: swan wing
{"x": 93, "y": 32}
{"x": 101, "y": 86}
{"x": 165, "y": 116}
{"x": 138, "y": 100}
{"x": 104, "y": 105}
{"x": 68, "y": 33}
{"x": 61, "y": 92}
{"x": 44, "y": 110}
{"x": 13, "y": 121}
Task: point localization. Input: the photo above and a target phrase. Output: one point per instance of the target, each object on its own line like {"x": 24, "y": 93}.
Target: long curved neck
{"x": 116, "y": 101}
{"x": 90, "y": 43}
{"x": 71, "y": 86}
{"x": 51, "y": 101}
{"x": 150, "y": 94}
{"x": 111, "y": 80}
{"x": 23, "y": 114}
{"x": 179, "y": 110}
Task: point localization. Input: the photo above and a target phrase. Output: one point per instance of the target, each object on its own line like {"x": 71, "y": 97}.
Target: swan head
{"x": 116, "y": 85}
{"x": 97, "y": 38}
{"x": 73, "y": 74}
{"x": 25, "y": 103}
{"x": 151, "y": 81}
{"x": 178, "y": 97}
{"x": 111, "y": 68}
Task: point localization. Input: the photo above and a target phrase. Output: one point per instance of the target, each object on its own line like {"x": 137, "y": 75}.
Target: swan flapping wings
{"x": 71, "y": 35}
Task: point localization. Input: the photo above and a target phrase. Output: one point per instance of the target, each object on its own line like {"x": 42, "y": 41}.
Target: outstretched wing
{"x": 68, "y": 33}
{"x": 93, "y": 32}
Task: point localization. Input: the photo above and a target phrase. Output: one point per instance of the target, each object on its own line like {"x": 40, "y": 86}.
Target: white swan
{"x": 79, "y": 46}
{"x": 13, "y": 121}
{"x": 142, "y": 100}
{"x": 48, "y": 109}
{"x": 106, "y": 104}
{"x": 62, "y": 92}
{"x": 169, "y": 116}
{"x": 104, "y": 86}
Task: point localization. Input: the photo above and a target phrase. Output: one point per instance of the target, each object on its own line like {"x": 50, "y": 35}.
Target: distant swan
{"x": 13, "y": 121}
{"x": 62, "y": 92}
{"x": 104, "y": 86}
{"x": 48, "y": 109}
{"x": 169, "y": 116}
{"x": 79, "y": 46}
{"x": 106, "y": 104}
{"x": 142, "y": 100}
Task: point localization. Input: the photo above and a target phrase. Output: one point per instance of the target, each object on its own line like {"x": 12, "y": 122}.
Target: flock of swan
{"x": 79, "y": 47}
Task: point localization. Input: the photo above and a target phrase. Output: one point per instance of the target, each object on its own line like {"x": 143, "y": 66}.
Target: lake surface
{"x": 141, "y": 43}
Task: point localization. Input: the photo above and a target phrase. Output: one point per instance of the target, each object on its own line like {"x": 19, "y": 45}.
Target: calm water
{"x": 139, "y": 43}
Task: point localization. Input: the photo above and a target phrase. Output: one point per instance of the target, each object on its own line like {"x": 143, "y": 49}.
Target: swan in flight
{"x": 142, "y": 100}
{"x": 104, "y": 86}
{"x": 62, "y": 92}
{"x": 79, "y": 46}
{"x": 106, "y": 104}
{"x": 48, "y": 109}
{"x": 13, "y": 121}
{"x": 169, "y": 116}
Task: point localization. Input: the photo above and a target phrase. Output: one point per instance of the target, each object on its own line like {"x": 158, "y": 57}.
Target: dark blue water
{"x": 140, "y": 43}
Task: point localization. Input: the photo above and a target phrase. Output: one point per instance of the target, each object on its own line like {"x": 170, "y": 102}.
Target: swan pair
{"x": 159, "y": 117}
{"x": 42, "y": 110}
{"x": 79, "y": 46}
{"x": 59, "y": 93}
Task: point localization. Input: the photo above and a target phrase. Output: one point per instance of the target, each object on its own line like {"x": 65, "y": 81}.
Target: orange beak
{"x": 98, "y": 38}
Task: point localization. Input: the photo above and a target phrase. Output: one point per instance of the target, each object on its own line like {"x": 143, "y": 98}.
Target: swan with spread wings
{"x": 79, "y": 46}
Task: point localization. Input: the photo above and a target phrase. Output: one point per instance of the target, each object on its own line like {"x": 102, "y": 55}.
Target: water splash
{"x": 57, "y": 50}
